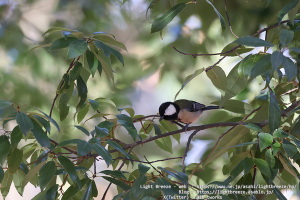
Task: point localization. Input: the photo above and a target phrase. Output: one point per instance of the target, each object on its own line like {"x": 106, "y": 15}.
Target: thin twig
{"x": 229, "y": 20}
{"x": 105, "y": 193}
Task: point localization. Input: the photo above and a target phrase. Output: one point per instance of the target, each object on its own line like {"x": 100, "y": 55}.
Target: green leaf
{"x": 290, "y": 68}
{"x": 39, "y": 46}
{"x": 63, "y": 106}
{"x": 280, "y": 134}
{"x": 106, "y": 124}
{"x": 126, "y": 121}
{"x": 52, "y": 192}
{"x": 101, "y": 132}
{"x": 40, "y": 196}
{"x": 265, "y": 140}
{"x": 70, "y": 169}
{"x": 287, "y": 165}
{"x": 232, "y": 138}
{"x": 286, "y": 9}
{"x": 46, "y": 173}
{"x": 92, "y": 61}
{"x": 182, "y": 177}
{"x": 40, "y": 135}
{"x": 253, "y": 41}
{"x": 94, "y": 104}
{"x": 236, "y": 106}
{"x": 261, "y": 66}
{"x": 239, "y": 145}
{"x": 75, "y": 72}
{"x": 44, "y": 122}
{"x": 188, "y": 79}
{"x": 1, "y": 174}
{"x": 237, "y": 170}
{"x": 107, "y": 50}
{"x": 82, "y": 113}
{"x": 83, "y": 147}
{"x": 121, "y": 184}
{"x": 4, "y": 148}
{"x": 289, "y": 148}
{"x": 165, "y": 144}
{"x": 87, "y": 194}
{"x": 218, "y": 78}
{"x": 6, "y": 183}
{"x": 111, "y": 40}
{"x": 55, "y": 29}
{"x": 286, "y": 36}
{"x": 77, "y": 48}
{"x": 32, "y": 173}
{"x": 18, "y": 177}
{"x": 222, "y": 21}
{"x": 274, "y": 113}
{"x": 50, "y": 119}
{"x": 297, "y": 50}
{"x": 161, "y": 22}
{"x": 101, "y": 151}
{"x": 119, "y": 148}
{"x": 82, "y": 91}
{"x": 14, "y": 160}
{"x": 276, "y": 147}
{"x": 7, "y": 109}
{"x": 83, "y": 130}
{"x": 263, "y": 166}
{"x": 61, "y": 43}
{"x": 270, "y": 158}
{"x": 24, "y": 122}
{"x": 276, "y": 59}
{"x": 15, "y": 137}
{"x": 156, "y": 129}
{"x": 253, "y": 127}
{"x": 143, "y": 169}
{"x": 248, "y": 165}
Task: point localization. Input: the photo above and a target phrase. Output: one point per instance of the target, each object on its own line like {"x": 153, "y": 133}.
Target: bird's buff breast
{"x": 188, "y": 117}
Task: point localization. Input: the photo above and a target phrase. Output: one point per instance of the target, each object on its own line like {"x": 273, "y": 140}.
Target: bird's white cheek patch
{"x": 171, "y": 110}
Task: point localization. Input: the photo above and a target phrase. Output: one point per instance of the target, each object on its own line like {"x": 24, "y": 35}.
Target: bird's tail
{"x": 211, "y": 107}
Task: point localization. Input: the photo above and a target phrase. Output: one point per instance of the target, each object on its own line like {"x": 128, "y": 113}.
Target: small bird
{"x": 183, "y": 110}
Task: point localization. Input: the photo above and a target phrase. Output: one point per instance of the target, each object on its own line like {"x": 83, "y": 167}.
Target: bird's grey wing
{"x": 197, "y": 106}
{"x": 191, "y": 106}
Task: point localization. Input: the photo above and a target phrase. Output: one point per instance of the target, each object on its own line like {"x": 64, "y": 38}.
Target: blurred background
{"x": 153, "y": 71}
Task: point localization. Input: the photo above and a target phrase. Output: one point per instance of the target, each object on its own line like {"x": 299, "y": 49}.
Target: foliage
{"x": 262, "y": 142}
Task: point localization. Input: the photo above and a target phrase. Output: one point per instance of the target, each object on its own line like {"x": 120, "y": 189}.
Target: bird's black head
{"x": 169, "y": 111}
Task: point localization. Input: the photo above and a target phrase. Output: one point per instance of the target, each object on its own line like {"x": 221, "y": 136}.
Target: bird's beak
{"x": 161, "y": 118}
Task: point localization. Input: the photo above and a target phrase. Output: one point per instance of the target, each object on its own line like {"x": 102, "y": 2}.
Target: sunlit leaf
{"x": 263, "y": 166}
{"x": 290, "y": 68}
{"x": 14, "y": 160}
{"x": 222, "y": 21}
{"x": 276, "y": 59}
{"x": 253, "y": 41}
{"x": 286, "y": 36}
{"x": 286, "y": 9}
{"x": 265, "y": 140}
{"x": 55, "y": 29}
{"x": 126, "y": 121}
{"x": 24, "y": 122}
{"x": 77, "y": 48}
{"x": 218, "y": 78}
{"x": 61, "y": 43}
{"x": 70, "y": 169}
{"x": 188, "y": 79}
{"x": 161, "y": 22}
{"x": 46, "y": 173}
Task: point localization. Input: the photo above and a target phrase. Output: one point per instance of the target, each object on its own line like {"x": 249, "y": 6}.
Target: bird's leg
{"x": 186, "y": 127}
